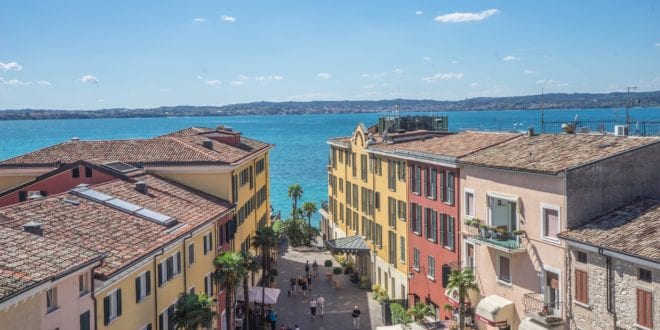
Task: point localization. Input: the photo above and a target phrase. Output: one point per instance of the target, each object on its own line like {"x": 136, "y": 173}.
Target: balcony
{"x": 541, "y": 310}
{"x": 499, "y": 239}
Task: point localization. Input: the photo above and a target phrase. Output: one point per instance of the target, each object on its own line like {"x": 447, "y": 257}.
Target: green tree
{"x": 265, "y": 240}
{"x": 250, "y": 265}
{"x": 295, "y": 193}
{"x": 420, "y": 311}
{"x": 399, "y": 315}
{"x": 231, "y": 269}
{"x": 193, "y": 311}
{"x": 309, "y": 208}
{"x": 463, "y": 281}
{"x": 296, "y": 231}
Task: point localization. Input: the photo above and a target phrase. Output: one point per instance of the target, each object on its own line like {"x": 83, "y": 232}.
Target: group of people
{"x": 316, "y": 302}
{"x": 304, "y": 282}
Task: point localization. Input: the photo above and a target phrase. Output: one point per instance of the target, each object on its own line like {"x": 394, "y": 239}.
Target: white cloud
{"x": 454, "y": 62}
{"x": 657, "y": 44}
{"x": 475, "y": 85}
{"x": 427, "y": 59}
{"x": 10, "y": 66}
{"x": 466, "y": 17}
{"x": 324, "y": 75}
{"x": 214, "y": 82}
{"x": 526, "y": 71}
{"x": 226, "y": 18}
{"x": 243, "y": 77}
{"x": 398, "y": 71}
{"x": 419, "y": 12}
{"x": 443, "y": 76}
{"x": 550, "y": 83}
{"x": 43, "y": 83}
{"x": 13, "y": 82}
{"x": 268, "y": 78}
{"x": 510, "y": 58}
{"x": 237, "y": 82}
{"x": 199, "y": 19}
{"x": 88, "y": 79}
{"x": 545, "y": 82}
{"x": 200, "y": 77}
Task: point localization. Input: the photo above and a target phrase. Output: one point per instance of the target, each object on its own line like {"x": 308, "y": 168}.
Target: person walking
{"x": 319, "y": 302}
{"x": 272, "y": 318}
{"x": 309, "y": 282}
{"x": 294, "y": 285}
{"x": 306, "y": 267}
{"x": 315, "y": 268}
{"x": 356, "y": 317}
{"x": 312, "y": 307}
{"x": 303, "y": 287}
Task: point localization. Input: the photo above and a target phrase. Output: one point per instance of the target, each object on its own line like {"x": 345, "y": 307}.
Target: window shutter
{"x": 161, "y": 322}
{"x": 148, "y": 326}
{"x": 148, "y": 283}
{"x": 178, "y": 262}
{"x": 450, "y": 232}
{"x": 442, "y": 229}
{"x": 211, "y": 284}
{"x": 137, "y": 288}
{"x": 210, "y": 241}
{"x": 169, "y": 269}
{"x": 205, "y": 244}
{"x": 43, "y": 193}
{"x": 106, "y": 310}
{"x": 22, "y": 196}
{"x": 118, "y": 302}
{"x": 160, "y": 274}
{"x": 206, "y": 285}
{"x": 446, "y": 271}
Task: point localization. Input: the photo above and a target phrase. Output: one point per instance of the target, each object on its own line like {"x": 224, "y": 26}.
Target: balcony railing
{"x": 501, "y": 240}
{"x": 543, "y": 311}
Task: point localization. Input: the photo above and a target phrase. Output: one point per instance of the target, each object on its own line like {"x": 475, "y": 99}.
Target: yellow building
{"x": 158, "y": 239}
{"x": 367, "y": 197}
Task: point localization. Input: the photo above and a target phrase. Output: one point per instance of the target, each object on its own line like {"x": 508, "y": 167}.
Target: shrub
{"x": 379, "y": 293}
{"x": 336, "y": 271}
{"x": 341, "y": 259}
{"x": 399, "y": 315}
{"x": 273, "y": 272}
{"x": 348, "y": 267}
{"x": 328, "y": 263}
{"x": 421, "y": 310}
{"x": 365, "y": 283}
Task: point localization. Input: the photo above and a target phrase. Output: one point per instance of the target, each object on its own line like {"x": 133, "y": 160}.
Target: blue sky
{"x": 101, "y": 54}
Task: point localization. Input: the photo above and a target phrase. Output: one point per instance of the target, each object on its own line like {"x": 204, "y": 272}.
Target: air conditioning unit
{"x": 620, "y": 130}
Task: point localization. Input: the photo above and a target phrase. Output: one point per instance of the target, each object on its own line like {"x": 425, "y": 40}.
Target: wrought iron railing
{"x": 536, "y": 306}
{"x": 498, "y": 237}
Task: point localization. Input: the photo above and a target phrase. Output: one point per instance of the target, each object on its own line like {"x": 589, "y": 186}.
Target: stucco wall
{"x": 594, "y": 315}
{"x": 600, "y": 187}
{"x": 22, "y": 315}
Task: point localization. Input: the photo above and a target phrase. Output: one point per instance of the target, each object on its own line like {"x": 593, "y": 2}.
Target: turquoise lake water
{"x": 301, "y": 152}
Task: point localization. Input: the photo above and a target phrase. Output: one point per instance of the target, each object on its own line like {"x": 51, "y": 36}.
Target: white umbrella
{"x": 269, "y": 295}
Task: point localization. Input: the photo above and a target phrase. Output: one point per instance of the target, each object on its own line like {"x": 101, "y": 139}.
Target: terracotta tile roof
{"x": 122, "y": 236}
{"x": 553, "y": 153}
{"x": 189, "y": 131}
{"x": 177, "y": 148}
{"x": 449, "y": 145}
{"x": 27, "y": 260}
{"x": 633, "y": 229}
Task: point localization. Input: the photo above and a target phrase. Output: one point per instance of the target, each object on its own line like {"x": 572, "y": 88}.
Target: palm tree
{"x": 230, "y": 269}
{"x": 295, "y": 192}
{"x": 296, "y": 231}
{"x": 193, "y": 311}
{"x": 249, "y": 264}
{"x": 309, "y": 209}
{"x": 420, "y": 311}
{"x": 462, "y": 281}
{"x": 265, "y": 240}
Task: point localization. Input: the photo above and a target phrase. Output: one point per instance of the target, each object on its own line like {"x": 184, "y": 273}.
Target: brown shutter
{"x": 644, "y": 308}
{"x": 581, "y": 291}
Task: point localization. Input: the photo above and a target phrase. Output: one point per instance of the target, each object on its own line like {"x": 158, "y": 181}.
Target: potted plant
{"x": 518, "y": 232}
{"x": 328, "y": 263}
{"x": 502, "y": 232}
{"x": 483, "y": 228}
{"x": 493, "y": 231}
{"x": 468, "y": 222}
{"x": 337, "y": 270}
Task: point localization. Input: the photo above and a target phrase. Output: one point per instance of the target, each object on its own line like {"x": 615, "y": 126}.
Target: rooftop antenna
{"x": 628, "y": 101}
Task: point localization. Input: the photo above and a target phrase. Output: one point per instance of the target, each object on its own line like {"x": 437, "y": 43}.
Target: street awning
{"x": 255, "y": 294}
{"x": 453, "y": 298}
{"x": 353, "y": 245}
{"x": 529, "y": 324}
{"x": 495, "y": 310}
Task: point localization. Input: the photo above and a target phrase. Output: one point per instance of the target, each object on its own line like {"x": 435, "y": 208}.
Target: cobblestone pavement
{"x": 339, "y": 302}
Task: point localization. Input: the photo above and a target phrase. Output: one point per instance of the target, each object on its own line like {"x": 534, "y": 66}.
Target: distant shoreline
{"x": 560, "y": 101}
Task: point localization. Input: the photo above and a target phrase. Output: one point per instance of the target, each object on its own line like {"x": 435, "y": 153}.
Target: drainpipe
{"x": 162, "y": 250}
{"x": 569, "y": 298}
{"x": 184, "y": 266}
{"x": 96, "y": 326}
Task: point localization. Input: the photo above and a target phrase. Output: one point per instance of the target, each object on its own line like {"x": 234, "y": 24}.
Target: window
{"x": 353, "y": 165}
{"x": 550, "y": 218}
{"x": 169, "y": 268}
{"x": 341, "y": 156}
{"x": 645, "y": 275}
{"x": 416, "y": 179}
{"x": 51, "y": 300}
{"x": 391, "y": 212}
{"x": 416, "y": 259}
{"x": 88, "y": 172}
{"x": 142, "y": 286}
{"x": 85, "y": 321}
{"x": 348, "y": 193}
{"x": 431, "y": 224}
{"x": 75, "y": 172}
{"x": 112, "y": 306}
{"x": 392, "y": 247}
{"x": 146, "y": 327}
{"x": 83, "y": 284}
{"x": 341, "y": 185}
{"x": 208, "y": 243}
{"x": 363, "y": 167}
{"x": 433, "y": 183}
{"x": 581, "y": 287}
{"x": 376, "y": 200}
{"x": 645, "y": 308}
{"x": 403, "y": 250}
{"x": 449, "y": 191}
{"x": 581, "y": 257}
{"x": 165, "y": 319}
{"x": 401, "y": 210}
{"x": 378, "y": 239}
{"x": 469, "y": 256}
{"x": 208, "y": 284}
{"x": 469, "y": 203}
{"x": 431, "y": 271}
{"x": 260, "y": 166}
{"x": 503, "y": 269}
{"x": 427, "y": 182}
{"x": 391, "y": 175}
{"x": 191, "y": 254}
{"x": 416, "y": 213}
{"x": 447, "y": 231}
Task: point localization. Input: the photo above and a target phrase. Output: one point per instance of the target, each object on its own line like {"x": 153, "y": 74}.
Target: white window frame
{"x": 143, "y": 285}
{"x": 551, "y": 269}
{"x": 166, "y": 325}
{"x": 429, "y": 268}
{"x": 209, "y": 277}
{"x": 113, "y": 305}
{"x": 144, "y": 327}
{"x": 474, "y": 248}
{"x": 52, "y": 292}
{"x": 497, "y": 272}
{"x": 192, "y": 260}
{"x": 86, "y": 284}
{"x": 509, "y": 198}
{"x": 474, "y": 199}
{"x": 553, "y": 207}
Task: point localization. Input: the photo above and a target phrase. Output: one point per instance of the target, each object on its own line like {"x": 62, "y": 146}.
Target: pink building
{"x": 525, "y": 191}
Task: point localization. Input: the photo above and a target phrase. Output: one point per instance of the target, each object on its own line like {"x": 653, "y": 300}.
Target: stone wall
{"x": 594, "y": 315}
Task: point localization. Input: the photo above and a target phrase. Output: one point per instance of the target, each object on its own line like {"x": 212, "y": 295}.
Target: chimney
{"x": 530, "y": 131}
{"x": 75, "y": 139}
{"x": 141, "y": 186}
{"x": 208, "y": 144}
{"x": 221, "y": 128}
{"x": 34, "y": 227}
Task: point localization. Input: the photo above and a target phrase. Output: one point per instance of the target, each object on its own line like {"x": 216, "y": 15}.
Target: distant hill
{"x": 548, "y": 101}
